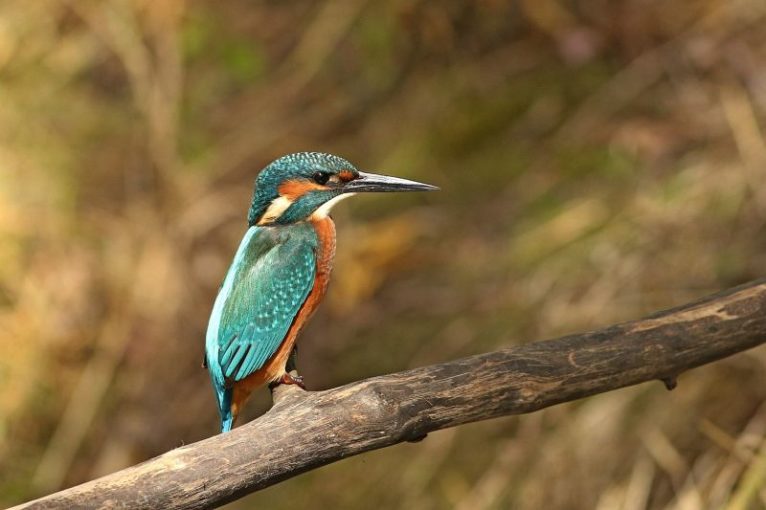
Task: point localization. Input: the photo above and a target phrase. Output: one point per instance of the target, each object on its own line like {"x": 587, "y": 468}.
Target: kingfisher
{"x": 280, "y": 272}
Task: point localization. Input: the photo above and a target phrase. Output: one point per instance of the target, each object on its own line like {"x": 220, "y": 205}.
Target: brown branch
{"x": 305, "y": 430}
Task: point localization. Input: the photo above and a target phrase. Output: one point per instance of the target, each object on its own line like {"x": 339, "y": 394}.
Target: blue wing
{"x": 272, "y": 274}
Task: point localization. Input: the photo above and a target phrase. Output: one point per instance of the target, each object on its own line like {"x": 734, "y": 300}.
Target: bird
{"x": 280, "y": 272}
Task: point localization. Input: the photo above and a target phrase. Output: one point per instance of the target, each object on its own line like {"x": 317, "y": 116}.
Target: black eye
{"x": 321, "y": 177}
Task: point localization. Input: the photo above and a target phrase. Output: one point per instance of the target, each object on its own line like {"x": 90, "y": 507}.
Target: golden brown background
{"x": 599, "y": 160}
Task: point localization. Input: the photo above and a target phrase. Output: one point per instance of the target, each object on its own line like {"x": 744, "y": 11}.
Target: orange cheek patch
{"x": 293, "y": 190}
{"x": 346, "y": 175}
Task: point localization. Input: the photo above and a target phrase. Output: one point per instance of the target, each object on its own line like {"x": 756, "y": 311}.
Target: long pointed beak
{"x": 375, "y": 182}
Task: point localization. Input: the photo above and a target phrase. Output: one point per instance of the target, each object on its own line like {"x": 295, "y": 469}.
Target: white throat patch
{"x": 322, "y": 212}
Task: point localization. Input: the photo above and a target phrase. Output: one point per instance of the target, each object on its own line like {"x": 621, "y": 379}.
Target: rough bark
{"x": 305, "y": 430}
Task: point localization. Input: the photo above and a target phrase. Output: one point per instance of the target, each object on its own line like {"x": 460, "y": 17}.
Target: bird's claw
{"x": 289, "y": 379}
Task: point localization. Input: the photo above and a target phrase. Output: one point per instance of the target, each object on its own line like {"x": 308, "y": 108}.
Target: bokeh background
{"x": 599, "y": 160}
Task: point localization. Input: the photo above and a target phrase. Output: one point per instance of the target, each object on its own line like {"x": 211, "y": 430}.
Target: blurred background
{"x": 599, "y": 160}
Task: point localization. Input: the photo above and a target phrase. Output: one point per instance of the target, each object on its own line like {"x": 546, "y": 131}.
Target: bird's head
{"x": 300, "y": 186}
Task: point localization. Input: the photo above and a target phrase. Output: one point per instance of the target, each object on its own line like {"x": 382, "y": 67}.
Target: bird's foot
{"x": 288, "y": 379}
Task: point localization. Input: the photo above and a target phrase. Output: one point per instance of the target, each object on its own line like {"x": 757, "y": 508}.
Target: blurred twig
{"x": 743, "y": 123}
{"x": 154, "y": 70}
{"x": 319, "y": 41}
{"x": 647, "y": 69}
{"x": 742, "y": 453}
{"x": 95, "y": 380}
{"x": 306, "y": 430}
{"x": 753, "y": 482}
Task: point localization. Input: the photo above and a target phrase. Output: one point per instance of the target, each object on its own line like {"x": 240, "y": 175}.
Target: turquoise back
{"x": 270, "y": 278}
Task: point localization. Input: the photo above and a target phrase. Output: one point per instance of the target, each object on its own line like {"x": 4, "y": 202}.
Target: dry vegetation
{"x": 599, "y": 160}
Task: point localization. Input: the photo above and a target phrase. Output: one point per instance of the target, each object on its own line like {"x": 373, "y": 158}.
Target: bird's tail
{"x": 224, "y": 402}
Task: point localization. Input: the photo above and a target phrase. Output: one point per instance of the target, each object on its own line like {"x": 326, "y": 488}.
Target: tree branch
{"x": 305, "y": 430}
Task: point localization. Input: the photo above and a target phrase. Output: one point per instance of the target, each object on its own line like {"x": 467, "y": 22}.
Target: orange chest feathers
{"x": 325, "y": 229}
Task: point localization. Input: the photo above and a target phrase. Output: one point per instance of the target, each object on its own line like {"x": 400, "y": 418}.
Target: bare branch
{"x": 305, "y": 430}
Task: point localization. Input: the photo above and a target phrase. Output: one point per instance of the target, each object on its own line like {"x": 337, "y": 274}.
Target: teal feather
{"x": 270, "y": 278}
{"x": 274, "y": 269}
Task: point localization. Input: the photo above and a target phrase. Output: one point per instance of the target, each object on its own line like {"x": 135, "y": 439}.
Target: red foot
{"x": 288, "y": 379}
